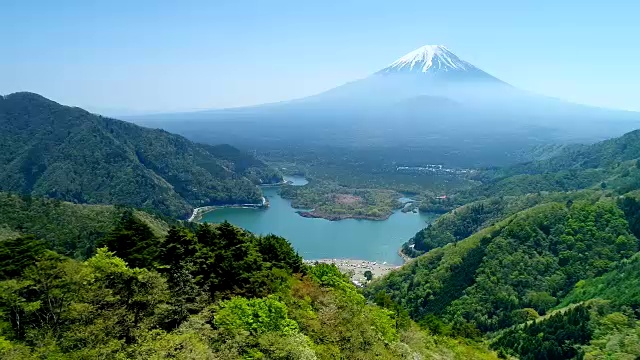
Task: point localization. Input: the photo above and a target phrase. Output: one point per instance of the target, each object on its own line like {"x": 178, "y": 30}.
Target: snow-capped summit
{"x": 429, "y": 58}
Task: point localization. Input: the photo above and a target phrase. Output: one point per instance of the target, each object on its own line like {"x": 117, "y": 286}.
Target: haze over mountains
{"x": 427, "y": 100}
{"x": 537, "y": 260}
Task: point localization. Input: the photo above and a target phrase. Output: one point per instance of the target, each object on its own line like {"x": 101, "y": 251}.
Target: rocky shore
{"x": 356, "y": 268}
{"x": 198, "y": 212}
{"x": 405, "y": 258}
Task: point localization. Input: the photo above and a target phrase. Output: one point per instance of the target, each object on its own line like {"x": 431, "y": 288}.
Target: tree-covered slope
{"x": 208, "y": 292}
{"x": 599, "y": 155}
{"x": 529, "y": 260}
{"x": 586, "y": 326}
{"x": 465, "y": 220}
{"x": 65, "y": 152}
{"x": 70, "y": 229}
{"x": 573, "y": 168}
{"x": 557, "y": 233}
{"x": 621, "y": 286}
{"x": 245, "y": 164}
{"x": 612, "y": 166}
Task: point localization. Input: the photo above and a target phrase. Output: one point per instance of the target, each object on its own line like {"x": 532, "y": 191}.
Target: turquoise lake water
{"x": 320, "y": 238}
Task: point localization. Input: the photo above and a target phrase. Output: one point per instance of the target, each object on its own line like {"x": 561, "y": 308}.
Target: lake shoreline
{"x": 315, "y": 239}
{"x": 356, "y": 268}
{"x": 337, "y": 217}
{"x": 284, "y": 182}
{"x": 199, "y": 212}
{"x": 405, "y": 258}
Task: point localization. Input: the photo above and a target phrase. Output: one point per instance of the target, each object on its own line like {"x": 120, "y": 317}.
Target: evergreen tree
{"x": 133, "y": 241}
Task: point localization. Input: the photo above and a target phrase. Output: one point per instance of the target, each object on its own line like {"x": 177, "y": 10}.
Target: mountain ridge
{"x": 429, "y": 93}
{"x": 48, "y": 149}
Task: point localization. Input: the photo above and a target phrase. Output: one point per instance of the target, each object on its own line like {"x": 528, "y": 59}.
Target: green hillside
{"x": 620, "y": 286}
{"x": 529, "y": 260}
{"x": 243, "y": 163}
{"x": 71, "y": 229}
{"x": 47, "y": 149}
{"x": 597, "y": 320}
{"x": 613, "y": 164}
{"x": 465, "y": 220}
{"x": 555, "y": 234}
{"x": 211, "y": 292}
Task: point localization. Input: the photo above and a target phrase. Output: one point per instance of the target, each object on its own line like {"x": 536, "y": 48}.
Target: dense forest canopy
{"x": 69, "y": 229}
{"x": 526, "y": 249}
{"x": 47, "y": 149}
{"x": 533, "y": 261}
{"x": 198, "y": 292}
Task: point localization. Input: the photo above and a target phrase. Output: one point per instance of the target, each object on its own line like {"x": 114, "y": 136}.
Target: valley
{"x": 428, "y": 210}
{"x": 486, "y": 255}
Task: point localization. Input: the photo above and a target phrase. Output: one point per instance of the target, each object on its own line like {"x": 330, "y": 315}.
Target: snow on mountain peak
{"x": 429, "y": 58}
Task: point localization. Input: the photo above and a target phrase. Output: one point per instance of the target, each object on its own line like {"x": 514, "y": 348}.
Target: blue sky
{"x": 123, "y": 56}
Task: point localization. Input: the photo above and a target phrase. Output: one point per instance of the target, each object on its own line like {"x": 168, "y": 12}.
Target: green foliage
{"x": 591, "y": 330}
{"x": 549, "y": 248}
{"x": 256, "y": 316}
{"x": 19, "y": 253}
{"x": 527, "y": 261}
{"x": 243, "y": 163}
{"x": 44, "y": 152}
{"x": 459, "y": 224}
{"x": 616, "y": 336}
{"x": 557, "y": 337}
{"x": 277, "y": 252}
{"x": 630, "y": 205}
{"x": 398, "y": 314}
{"x": 540, "y": 301}
{"x": 70, "y": 229}
{"x": 368, "y": 275}
{"x": 522, "y": 184}
{"x": 328, "y": 275}
{"x": 621, "y": 286}
{"x": 335, "y": 202}
{"x": 524, "y": 315}
{"x": 133, "y": 240}
{"x": 468, "y": 219}
{"x": 214, "y": 293}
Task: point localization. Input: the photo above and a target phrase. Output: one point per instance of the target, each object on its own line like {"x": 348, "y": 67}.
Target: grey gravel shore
{"x": 356, "y": 268}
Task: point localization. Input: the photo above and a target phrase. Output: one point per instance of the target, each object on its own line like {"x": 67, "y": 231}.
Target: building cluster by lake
{"x": 434, "y": 169}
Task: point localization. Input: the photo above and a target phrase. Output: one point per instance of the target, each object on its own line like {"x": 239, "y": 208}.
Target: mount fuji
{"x": 428, "y": 103}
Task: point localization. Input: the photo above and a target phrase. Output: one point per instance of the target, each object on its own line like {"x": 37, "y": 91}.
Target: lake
{"x": 320, "y": 238}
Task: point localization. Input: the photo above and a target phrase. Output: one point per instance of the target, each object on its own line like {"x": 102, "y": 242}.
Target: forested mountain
{"x": 524, "y": 266}
{"x": 198, "y": 292}
{"x": 63, "y": 152}
{"x": 539, "y": 261}
{"x": 613, "y": 164}
{"x": 597, "y": 320}
{"x": 599, "y": 155}
{"x": 428, "y": 106}
{"x": 527, "y": 260}
{"x": 553, "y": 234}
{"x": 245, "y": 164}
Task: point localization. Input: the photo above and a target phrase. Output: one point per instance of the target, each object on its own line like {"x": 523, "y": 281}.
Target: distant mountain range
{"x": 47, "y": 149}
{"x": 428, "y": 100}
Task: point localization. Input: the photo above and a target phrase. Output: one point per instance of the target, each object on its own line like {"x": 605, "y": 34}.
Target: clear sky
{"x": 153, "y": 55}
